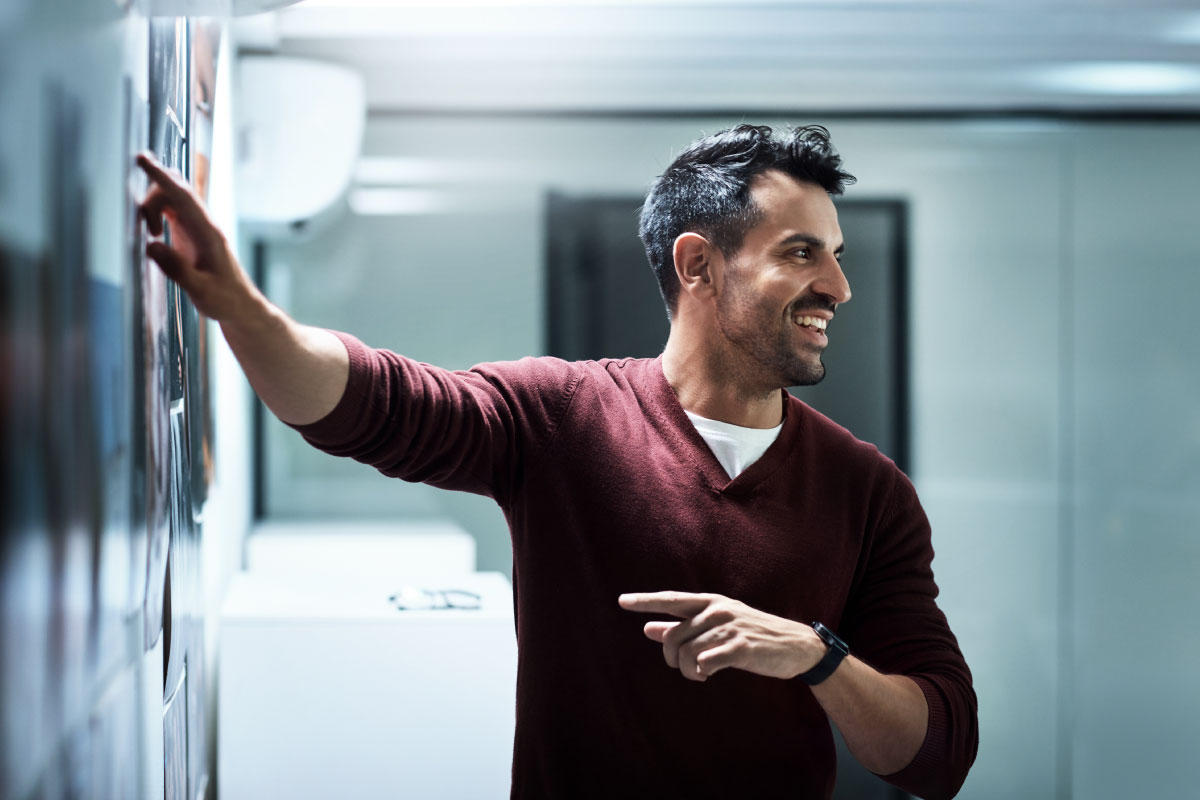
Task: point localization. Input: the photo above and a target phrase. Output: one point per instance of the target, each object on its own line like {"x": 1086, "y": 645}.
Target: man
{"x": 691, "y": 486}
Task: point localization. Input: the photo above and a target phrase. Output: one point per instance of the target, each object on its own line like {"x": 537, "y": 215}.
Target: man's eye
{"x": 802, "y": 252}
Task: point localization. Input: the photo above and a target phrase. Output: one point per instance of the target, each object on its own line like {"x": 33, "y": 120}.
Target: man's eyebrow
{"x": 812, "y": 240}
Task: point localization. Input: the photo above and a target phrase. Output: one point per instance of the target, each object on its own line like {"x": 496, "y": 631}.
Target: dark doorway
{"x": 603, "y": 301}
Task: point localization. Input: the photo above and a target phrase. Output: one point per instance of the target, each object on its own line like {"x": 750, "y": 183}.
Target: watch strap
{"x": 837, "y": 650}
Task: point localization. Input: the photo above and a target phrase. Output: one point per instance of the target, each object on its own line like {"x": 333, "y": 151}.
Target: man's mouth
{"x": 816, "y": 323}
{"x": 812, "y": 328}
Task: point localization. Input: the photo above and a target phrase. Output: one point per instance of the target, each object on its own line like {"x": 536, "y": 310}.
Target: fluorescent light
{"x": 1118, "y": 77}
{"x": 407, "y": 172}
{"x": 376, "y": 170}
{"x": 393, "y": 202}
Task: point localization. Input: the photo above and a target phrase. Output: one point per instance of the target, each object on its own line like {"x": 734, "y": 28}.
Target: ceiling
{"x": 672, "y": 56}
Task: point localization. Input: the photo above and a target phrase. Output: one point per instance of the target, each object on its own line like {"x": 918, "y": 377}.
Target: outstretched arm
{"x": 472, "y": 430}
{"x": 299, "y": 371}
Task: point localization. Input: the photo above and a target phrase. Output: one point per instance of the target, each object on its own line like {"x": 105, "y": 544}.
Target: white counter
{"x": 328, "y": 690}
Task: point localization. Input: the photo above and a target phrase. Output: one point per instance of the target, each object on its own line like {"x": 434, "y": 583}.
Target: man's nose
{"x": 832, "y": 281}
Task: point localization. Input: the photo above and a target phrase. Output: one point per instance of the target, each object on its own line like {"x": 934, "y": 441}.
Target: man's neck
{"x": 707, "y": 384}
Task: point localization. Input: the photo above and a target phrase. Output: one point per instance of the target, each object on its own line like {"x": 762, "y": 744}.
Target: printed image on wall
{"x": 164, "y": 378}
{"x": 183, "y": 473}
{"x": 206, "y": 42}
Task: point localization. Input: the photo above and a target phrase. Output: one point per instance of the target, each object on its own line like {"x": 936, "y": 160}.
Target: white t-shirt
{"x": 734, "y": 446}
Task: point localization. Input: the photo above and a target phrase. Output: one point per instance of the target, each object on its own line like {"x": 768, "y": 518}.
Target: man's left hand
{"x": 716, "y": 632}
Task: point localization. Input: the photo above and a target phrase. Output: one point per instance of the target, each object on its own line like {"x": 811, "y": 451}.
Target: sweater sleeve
{"x": 470, "y": 430}
{"x": 894, "y": 624}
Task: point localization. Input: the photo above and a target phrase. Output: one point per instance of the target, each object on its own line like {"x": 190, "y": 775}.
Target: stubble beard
{"x": 764, "y": 350}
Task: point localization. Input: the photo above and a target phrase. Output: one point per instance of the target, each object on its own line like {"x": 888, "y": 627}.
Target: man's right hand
{"x": 300, "y": 372}
{"x": 199, "y": 257}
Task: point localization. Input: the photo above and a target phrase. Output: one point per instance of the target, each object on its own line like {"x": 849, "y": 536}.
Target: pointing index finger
{"x": 679, "y": 604}
{"x": 156, "y": 171}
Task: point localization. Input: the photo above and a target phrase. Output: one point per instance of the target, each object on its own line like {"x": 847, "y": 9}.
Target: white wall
{"x": 1134, "y": 503}
{"x": 1021, "y": 233}
{"x": 985, "y": 201}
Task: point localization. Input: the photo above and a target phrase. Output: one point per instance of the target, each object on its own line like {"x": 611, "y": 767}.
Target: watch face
{"x": 830, "y": 638}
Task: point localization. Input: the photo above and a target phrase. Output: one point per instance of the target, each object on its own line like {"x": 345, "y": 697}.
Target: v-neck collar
{"x": 689, "y": 440}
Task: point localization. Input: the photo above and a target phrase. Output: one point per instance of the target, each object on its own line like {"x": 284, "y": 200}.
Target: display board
{"x": 105, "y": 435}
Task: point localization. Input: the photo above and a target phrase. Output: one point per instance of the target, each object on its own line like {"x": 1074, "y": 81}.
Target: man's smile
{"x": 812, "y": 326}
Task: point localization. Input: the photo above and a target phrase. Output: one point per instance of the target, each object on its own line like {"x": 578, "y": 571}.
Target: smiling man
{"x": 786, "y": 564}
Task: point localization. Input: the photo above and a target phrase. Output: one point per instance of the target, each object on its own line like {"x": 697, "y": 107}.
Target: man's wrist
{"x": 810, "y": 649}
{"x": 254, "y": 317}
{"x": 832, "y": 652}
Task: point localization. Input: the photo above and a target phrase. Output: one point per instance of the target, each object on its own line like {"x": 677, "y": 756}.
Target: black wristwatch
{"x": 833, "y": 656}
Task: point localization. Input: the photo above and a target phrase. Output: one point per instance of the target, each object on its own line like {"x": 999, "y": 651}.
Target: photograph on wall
{"x": 205, "y": 45}
{"x": 156, "y": 407}
{"x": 184, "y": 623}
{"x": 197, "y": 736}
{"x": 182, "y": 473}
{"x": 169, "y": 90}
{"x": 136, "y": 138}
{"x": 179, "y": 583}
{"x": 197, "y": 404}
{"x": 163, "y": 378}
{"x": 175, "y": 731}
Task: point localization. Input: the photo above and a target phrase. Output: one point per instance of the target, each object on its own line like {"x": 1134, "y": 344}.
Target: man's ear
{"x": 696, "y": 265}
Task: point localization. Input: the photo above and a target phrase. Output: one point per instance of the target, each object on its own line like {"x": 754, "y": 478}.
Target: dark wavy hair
{"x": 707, "y": 190}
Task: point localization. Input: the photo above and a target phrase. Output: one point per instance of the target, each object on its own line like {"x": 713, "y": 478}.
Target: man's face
{"x": 783, "y": 285}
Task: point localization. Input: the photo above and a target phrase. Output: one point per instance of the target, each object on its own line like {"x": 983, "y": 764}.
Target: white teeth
{"x": 812, "y": 322}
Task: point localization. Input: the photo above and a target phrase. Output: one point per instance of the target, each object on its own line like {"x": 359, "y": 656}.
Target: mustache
{"x": 814, "y": 303}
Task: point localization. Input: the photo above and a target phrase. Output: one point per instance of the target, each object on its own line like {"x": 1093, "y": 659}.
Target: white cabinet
{"x": 327, "y": 689}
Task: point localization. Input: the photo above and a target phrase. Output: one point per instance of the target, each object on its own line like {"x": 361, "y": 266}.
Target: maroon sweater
{"x": 608, "y": 488}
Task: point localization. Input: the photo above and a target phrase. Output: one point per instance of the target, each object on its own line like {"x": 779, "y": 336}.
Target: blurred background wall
{"x": 1046, "y": 155}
